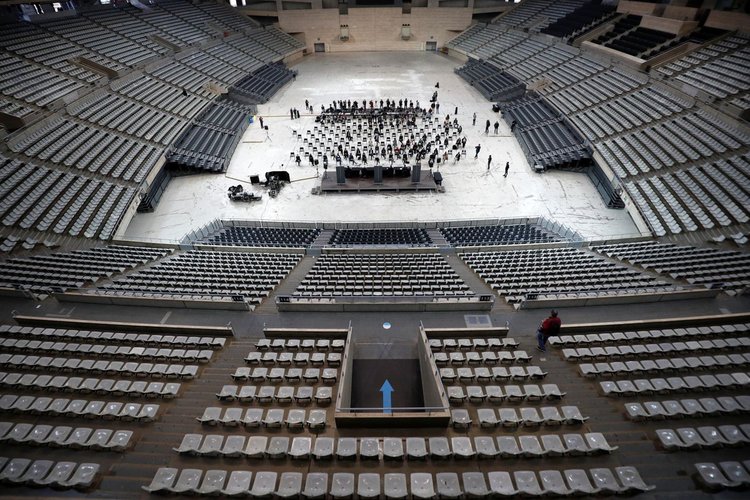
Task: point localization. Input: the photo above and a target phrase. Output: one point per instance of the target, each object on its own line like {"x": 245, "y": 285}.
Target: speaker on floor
{"x": 416, "y": 173}
{"x": 378, "y": 174}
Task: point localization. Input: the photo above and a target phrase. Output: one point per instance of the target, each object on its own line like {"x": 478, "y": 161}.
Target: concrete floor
{"x": 471, "y": 191}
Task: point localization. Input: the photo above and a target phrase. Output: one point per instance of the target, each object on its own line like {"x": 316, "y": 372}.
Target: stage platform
{"x": 328, "y": 184}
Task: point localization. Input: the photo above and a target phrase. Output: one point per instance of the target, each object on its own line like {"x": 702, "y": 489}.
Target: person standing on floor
{"x": 497, "y": 126}
{"x": 474, "y": 119}
{"x": 549, "y": 328}
{"x": 291, "y": 113}
{"x": 477, "y": 149}
{"x": 489, "y": 162}
{"x": 456, "y": 111}
{"x": 260, "y": 119}
{"x": 507, "y": 167}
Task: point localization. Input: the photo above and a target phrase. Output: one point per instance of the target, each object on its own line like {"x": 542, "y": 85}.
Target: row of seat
{"x": 690, "y": 333}
{"x": 484, "y": 357}
{"x": 64, "y": 436}
{"x": 33, "y": 405}
{"x": 393, "y": 486}
{"x": 263, "y": 237}
{"x": 298, "y": 358}
{"x": 725, "y": 475}
{"x": 274, "y": 417}
{"x": 47, "y": 473}
{"x": 143, "y": 339}
{"x": 704, "y": 407}
{"x": 261, "y": 374}
{"x": 107, "y": 351}
{"x": 415, "y": 448}
{"x": 269, "y": 393}
{"x": 493, "y": 393}
{"x": 265, "y": 344}
{"x": 472, "y": 344}
{"x": 526, "y": 416}
{"x": 89, "y": 385}
{"x": 675, "y": 384}
{"x": 636, "y": 350}
{"x": 496, "y": 235}
{"x": 108, "y": 367}
{"x": 688, "y": 438}
{"x": 664, "y": 365}
{"x": 496, "y": 373}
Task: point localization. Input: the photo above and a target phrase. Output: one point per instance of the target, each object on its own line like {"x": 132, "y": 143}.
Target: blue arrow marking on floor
{"x": 386, "y": 389}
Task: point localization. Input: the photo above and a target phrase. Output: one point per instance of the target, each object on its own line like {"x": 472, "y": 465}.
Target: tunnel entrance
{"x": 390, "y": 383}
{"x": 404, "y": 379}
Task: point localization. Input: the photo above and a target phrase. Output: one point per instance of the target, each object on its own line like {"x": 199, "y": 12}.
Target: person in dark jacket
{"x": 549, "y": 328}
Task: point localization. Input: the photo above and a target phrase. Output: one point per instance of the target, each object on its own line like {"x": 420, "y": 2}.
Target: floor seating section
{"x": 396, "y": 485}
{"x": 506, "y": 234}
{"x": 558, "y": 272}
{"x": 412, "y": 237}
{"x": 361, "y": 275}
{"x": 70, "y": 270}
{"x": 206, "y": 273}
{"x": 250, "y": 236}
{"x": 705, "y": 266}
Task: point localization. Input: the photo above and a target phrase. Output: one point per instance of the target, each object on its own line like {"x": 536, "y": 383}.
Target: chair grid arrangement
{"x": 249, "y": 236}
{"x": 558, "y": 272}
{"x": 413, "y": 237}
{"x": 71, "y": 270}
{"x": 505, "y": 234}
{"x": 382, "y": 274}
{"x": 205, "y": 273}
{"x": 727, "y": 269}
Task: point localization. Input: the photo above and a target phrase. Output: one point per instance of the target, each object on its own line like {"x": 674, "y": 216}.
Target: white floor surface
{"x": 471, "y": 191}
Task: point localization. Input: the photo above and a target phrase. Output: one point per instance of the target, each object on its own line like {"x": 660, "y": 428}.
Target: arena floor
{"x": 471, "y": 191}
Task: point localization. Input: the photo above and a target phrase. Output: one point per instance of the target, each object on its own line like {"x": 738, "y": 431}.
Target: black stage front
{"x": 358, "y": 184}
